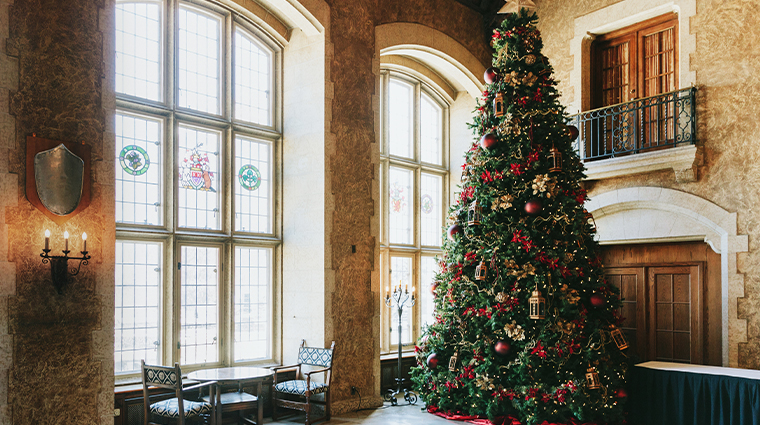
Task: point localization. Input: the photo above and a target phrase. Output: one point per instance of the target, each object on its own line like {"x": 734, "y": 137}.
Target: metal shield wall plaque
{"x": 59, "y": 175}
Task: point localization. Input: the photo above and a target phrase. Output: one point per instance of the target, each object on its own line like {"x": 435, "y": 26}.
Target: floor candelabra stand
{"x": 399, "y": 298}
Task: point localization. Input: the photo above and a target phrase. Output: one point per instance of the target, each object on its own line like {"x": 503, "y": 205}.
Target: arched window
{"x": 414, "y": 156}
{"x": 196, "y": 135}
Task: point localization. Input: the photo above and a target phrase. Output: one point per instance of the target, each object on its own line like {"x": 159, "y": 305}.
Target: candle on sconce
{"x": 66, "y": 240}
{"x": 84, "y": 238}
{"x": 47, "y": 239}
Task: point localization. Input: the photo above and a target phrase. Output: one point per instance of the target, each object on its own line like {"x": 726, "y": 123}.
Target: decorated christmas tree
{"x": 525, "y": 324}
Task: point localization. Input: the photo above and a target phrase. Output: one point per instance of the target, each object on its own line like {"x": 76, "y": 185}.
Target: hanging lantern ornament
{"x": 556, "y": 160}
{"x": 474, "y": 214}
{"x": 453, "y": 362}
{"x": 590, "y": 220}
{"x": 537, "y": 305}
{"x": 480, "y": 270}
{"x": 498, "y": 105}
{"x": 619, "y": 338}
{"x": 592, "y": 379}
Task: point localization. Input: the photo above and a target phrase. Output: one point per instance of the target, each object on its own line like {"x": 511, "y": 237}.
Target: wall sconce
{"x": 59, "y": 264}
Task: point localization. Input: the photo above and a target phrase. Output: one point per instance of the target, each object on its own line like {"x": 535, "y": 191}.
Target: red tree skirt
{"x": 501, "y": 420}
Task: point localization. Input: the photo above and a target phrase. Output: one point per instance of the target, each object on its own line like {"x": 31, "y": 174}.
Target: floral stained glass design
{"x": 427, "y": 204}
{"x": 250, "y": 177}
{"x": 134, "y": 160}
{"x": 199, "y": 171}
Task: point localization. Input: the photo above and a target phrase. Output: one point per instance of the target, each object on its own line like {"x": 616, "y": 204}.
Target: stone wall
{"x": 62, "y": 344}
{"x": 724, "y": 61}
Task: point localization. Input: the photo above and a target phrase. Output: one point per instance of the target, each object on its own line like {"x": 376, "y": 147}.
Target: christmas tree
{"x": 525, "y": 320}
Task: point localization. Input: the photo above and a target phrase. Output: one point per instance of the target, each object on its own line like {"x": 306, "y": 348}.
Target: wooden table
{"x": 239, "y": 375}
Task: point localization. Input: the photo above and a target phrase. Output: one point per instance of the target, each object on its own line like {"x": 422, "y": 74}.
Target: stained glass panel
{"x": 428, "y": 269}
{"x": 431, "y": 131}
{"x": 199, "y": 168}
{"x": 253, "y": 277}
{"x": 401, "y": 274}
{"x": 139, "y": 170}
{"x": 138, "y": 49}
{"x": 400, "y": 125}
{"x": 199, "y": 282}
{"x": 253, "y": 186}
{"x": 138, "y": 300}
{"x": 252, "y": 80}
{"x": 400, "y": 205}
{"x": 431, "y": 213}
{"x": 199, "y": 60}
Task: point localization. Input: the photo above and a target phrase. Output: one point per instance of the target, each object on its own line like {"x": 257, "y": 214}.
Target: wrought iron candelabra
{"x": 399, "y": 298}
{"x": 59, "y": 264}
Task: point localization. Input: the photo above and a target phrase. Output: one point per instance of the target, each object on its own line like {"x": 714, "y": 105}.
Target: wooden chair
{"x": 302, "y": 389}
{"x": 177, "y": 408}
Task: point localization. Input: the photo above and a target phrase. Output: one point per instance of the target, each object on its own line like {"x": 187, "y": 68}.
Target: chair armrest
{"x": 277, "y": 369}
{"x": 308, "y": 374}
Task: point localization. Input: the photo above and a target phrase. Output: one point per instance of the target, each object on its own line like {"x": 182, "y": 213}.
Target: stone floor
{"x": 403, "y": 414}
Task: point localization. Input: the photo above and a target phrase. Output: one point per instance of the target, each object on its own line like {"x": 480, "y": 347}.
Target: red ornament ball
{"x": 621, "y": 393}
{"x": 432, "y": 360}
{"x": 488, "y": 141}
{"x": 597, "y": 300}
{"x": 491, "y": 76}
{"x": 533, "y": 207}
{"x": 453, "y": 230}
{"x": 502, "y": 348}
{"x": 572, "y": 131}
{"x": 434, "y": 287}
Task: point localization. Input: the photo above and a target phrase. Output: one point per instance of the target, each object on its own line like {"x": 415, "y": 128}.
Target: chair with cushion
{"x": 178, "y": 408}
{"x": 300, "y": 389}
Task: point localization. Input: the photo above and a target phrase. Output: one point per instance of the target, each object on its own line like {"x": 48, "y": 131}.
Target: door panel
{"x": 630, "y": 282}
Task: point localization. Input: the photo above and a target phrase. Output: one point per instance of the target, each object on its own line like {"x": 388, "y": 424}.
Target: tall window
{"x": 196, "y": 136}
{"x": 414, "y": 176}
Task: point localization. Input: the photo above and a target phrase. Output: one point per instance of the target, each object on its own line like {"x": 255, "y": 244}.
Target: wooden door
{"x": 630, "y": 283}
{"x": 674, "y": 312}
{"x": 675, "y": 318}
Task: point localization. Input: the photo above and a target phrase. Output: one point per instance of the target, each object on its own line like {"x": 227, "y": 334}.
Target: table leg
{"x": 259, "y": 404}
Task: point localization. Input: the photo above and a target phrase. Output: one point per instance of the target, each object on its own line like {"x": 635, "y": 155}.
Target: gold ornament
{"x": 480, "y": 271}
{"x": 453, "y": 362}
{"x": 498, "y": 105}
{"x": 556, "y": 160}
{"x": 530, "y": 59}
{"x": 474, "y": 213}
{"x": 537, "y": 305}
{"x": 619, "y": 338}
{"x": 501, "y": 297}
{"x": 592, "y": 379}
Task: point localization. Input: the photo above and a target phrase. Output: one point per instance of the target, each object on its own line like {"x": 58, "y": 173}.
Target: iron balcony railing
{"x": 641, "y": 125}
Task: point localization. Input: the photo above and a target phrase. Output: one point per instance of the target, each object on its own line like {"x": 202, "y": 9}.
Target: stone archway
{"x": 653, "y": 214}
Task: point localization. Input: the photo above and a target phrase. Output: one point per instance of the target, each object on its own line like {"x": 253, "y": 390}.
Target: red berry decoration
{"x": 488, "y": 141}
{"x": 453, "y": 230}
{"x": 491, "y": 76}
{"x": 502, "y": 348}
{"x": 533, "y": 207}
{"x": 597, "y": 300}
{"x": 432, "y": 360}
{"x": 573, "y": 131}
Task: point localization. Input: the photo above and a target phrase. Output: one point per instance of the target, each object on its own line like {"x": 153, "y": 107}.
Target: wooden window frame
{"x": 634, "y": 34}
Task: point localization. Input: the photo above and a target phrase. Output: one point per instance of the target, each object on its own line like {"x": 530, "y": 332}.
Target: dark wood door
{"x": 675, "y": 314}
{"x": 671, "y": 300}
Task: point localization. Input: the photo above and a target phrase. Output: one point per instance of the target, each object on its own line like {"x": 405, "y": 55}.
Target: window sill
{"x": 682, "y": 160}
{"x": 394, "y": 356}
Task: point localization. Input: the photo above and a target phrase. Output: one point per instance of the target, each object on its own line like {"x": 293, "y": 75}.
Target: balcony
{"x": 648, "y": 134}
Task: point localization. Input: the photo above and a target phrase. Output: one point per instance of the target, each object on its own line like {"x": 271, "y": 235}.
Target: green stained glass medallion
{"x": 134, "y": 160}
{"x": 250, "y": 177}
